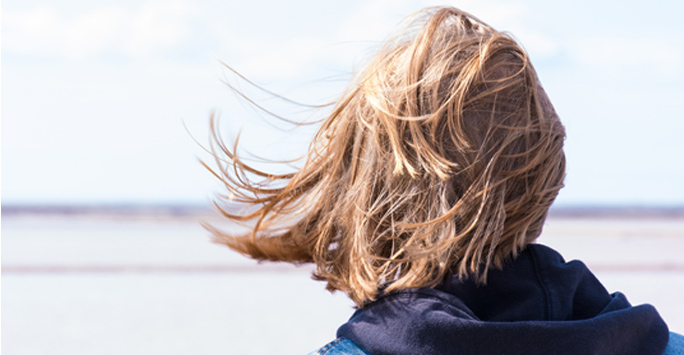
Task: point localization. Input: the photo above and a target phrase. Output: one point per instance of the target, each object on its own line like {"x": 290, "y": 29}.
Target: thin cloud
{"x": 616, "y": 55}
{"x": 43, "y": 31}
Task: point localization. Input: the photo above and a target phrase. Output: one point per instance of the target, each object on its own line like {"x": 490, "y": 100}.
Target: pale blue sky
{"x": 95, "y": 93}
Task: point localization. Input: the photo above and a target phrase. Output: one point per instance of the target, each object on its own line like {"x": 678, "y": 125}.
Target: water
{"x": 95, "y": 285}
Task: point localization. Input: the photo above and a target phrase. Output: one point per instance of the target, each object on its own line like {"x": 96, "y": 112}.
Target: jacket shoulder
{"x": 340, "y": 346}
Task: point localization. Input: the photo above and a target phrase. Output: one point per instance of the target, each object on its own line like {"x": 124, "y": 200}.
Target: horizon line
{"x": 203, "y": 209}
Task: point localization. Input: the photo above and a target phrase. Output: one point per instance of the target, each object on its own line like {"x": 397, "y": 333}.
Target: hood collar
{"x": 537, "y": 304}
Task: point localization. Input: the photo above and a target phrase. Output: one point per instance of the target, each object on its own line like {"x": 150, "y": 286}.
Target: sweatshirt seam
{"x": 548, "y": 309}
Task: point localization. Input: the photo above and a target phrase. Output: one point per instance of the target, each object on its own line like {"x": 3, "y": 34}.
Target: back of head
{"x": 442, "y": 158}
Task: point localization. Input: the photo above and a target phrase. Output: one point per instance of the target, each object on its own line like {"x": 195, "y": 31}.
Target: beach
{"x": 112, "y": 284}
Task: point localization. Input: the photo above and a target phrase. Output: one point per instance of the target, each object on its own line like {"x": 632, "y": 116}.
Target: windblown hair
{"x": 442, "y": 158}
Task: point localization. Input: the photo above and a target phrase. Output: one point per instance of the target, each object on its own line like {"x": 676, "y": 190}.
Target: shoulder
{"x": 340, "y": 346}
{"x": 675, "y": 345}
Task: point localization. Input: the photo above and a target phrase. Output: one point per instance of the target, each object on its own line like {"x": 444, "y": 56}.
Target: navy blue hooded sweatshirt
{"x": 538, "y": 304}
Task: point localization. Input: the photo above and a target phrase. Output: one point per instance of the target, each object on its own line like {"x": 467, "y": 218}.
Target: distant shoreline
{"x": 108, "y": 209}
{"x": 196, "y": 210}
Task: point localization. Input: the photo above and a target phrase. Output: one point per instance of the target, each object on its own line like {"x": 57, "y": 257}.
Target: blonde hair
{"x": 442, "y": 158}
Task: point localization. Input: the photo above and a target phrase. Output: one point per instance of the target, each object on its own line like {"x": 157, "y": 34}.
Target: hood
{"x": 537, "y": 304}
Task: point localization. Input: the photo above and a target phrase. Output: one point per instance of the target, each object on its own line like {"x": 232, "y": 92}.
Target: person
{"x": 421, "y": 198}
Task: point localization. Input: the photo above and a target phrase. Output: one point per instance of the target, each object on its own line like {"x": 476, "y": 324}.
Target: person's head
{"x": 442, "y": 157}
